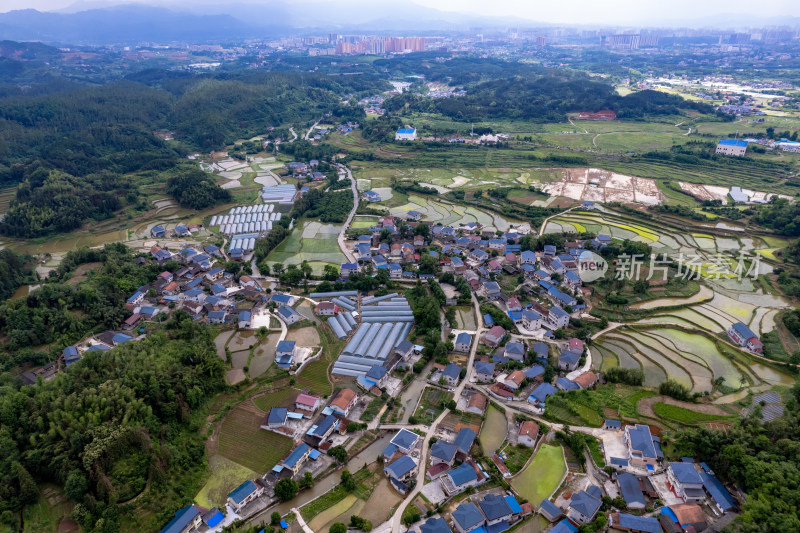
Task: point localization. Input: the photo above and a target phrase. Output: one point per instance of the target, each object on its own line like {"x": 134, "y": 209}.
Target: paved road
{"x": 544, "y": 224}
{"x": 308, "y": 133}
{"x": 294, "y": 135}
{"x": 347, "y": 253}
{"x": 396, "y": 520}
{"x": 302, "y": 522}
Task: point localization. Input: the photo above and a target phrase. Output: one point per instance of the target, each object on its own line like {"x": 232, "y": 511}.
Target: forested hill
{"x": 110, "y": 127}
{"x": 118, "y": 423}
{"x": 544, "y": 99}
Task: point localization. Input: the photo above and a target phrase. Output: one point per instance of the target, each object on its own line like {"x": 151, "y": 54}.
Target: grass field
{"x": 683, "y": 415}
{"x": 315, "y": 374}
{"x": 46, "y": 514}
{"x": 225, "y": 476}
{"x": 493, "y": 432}
{"x": 542, "y": 476}
{"x": 242, "y": 440}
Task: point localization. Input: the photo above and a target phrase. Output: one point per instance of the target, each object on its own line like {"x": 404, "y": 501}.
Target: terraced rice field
{"x": 691, "y": 359}
{"x": 447, "y": 214}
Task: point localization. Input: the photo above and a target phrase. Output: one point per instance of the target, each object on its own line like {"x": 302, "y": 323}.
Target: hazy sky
{"x": 564, "y": 11}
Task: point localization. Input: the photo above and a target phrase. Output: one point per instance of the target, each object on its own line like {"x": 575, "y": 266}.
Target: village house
{"x": 531, "y": 320}
{"x": 642, "y": 449}
{"x": 686, "y": 482}
{"x": 343, "y": 401}
{"x": 528, "y": 431}
{"x": 244, "y": 494}
{"x": 459, "y": 479}
{"x": 443, "y": 452}
{"x": 467, "y": 517}
{"x": 484, "y": 372}
{"x": 496, "y": 509}
{"x": 325, "y": 309}
{"x": 476, "y": 403}
{"x": 494, "y": 336}
{"x": 294, "y": 461}
{"x": 584, "y": 505}
{"x": 306, "y": 402}
{"x": 744, "y": 337}
{"x": 463, "y": 342}
{"x": 514, "y": 380}
{"x": 186, "y": 519}
{"x": 568, "y": 360}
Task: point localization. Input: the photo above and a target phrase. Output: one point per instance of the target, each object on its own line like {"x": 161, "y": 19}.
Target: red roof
{"x": 306, "y": 399}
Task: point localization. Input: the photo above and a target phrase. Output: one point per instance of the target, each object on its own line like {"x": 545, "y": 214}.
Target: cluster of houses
{"x": 306, "y": 170}
{"x": 205, "y": 291}
{"x": 683, "y": 487}
{"x": 180, "y": 230}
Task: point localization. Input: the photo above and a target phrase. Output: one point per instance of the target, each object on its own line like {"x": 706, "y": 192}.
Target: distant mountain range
{"x": 99, "y": 22}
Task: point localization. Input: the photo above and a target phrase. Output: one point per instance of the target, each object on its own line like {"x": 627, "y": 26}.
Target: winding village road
{"x": 342, "y": 234}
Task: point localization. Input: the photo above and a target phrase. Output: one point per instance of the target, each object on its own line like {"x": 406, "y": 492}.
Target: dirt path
{"x": 645, "y": 406}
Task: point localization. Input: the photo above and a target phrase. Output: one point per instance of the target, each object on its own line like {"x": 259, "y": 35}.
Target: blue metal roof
{"x": 285, "y": 346}
{"x": 242, "y": 491}
{"x": 376, "y": 372}
{"x": 464, "y": 439}
{"x": 612, "y": 423}
{"x": 444, "y": 450}
{"x": 685, "y": 472}
{"x": 541, "y": 349}
{"x": 488, "y": 320}
{"x": 463, "y": 474}
{"x": 732, "y": 142}
{"x": 645, "y": 524}
{"x": 214, "y": 518}
{"x": 631, "y": 489}
{"x": 281, "y": 298}
{"x": 435, "y": 525}
{"x": 534, "y": 371}
{"x": 618, "y": 461}
{"x": 718, "y": 491}
{"x": 642, "y": 440}
{"x": 743, "y": 330}
{"x": 541, "y": 392}
{"x": 297, "y": 454}
{"x": 325, "y": 425}
{"x": 468, "y": 516}
{"x": 277, "y": 415}
{"x": 464, "y": 338}
{"x": 566, "y": 384}
{"x": 407, "y": 131}
{"x": 569, "y": 357}
{"x": 404, "y": 439}
{"x": 585, "y": 503}
{"x": 452, "y": 371}
{"x": 121, "y": 338}
{"x": 550, "y": 508}
{"x": 401, "y": 467}
{"x": 484, "y": 368}
{"x": 565, "y": 526}
{"x": 182, "y": 519}
{"x": 512, "y": 502}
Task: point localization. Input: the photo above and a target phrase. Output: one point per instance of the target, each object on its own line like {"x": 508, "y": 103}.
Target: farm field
{"x": 449, "y": 214}
{"x": 542, "y": 476}
{"x": 225, "y": 476}
{"x": 684, "y": 415}
{"x": 277, "y": 398}
{"x": 242, "y": 440}
{"x": 313, "y": 242}
{"x": 494, "y": 429}
{"x": 689, "y": 358}
{"x": 431, "y": 404}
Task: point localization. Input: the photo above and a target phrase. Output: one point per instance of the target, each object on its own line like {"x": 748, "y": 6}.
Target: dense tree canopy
{"x": 113, "y": 423}
{"x": 194, "y": 189}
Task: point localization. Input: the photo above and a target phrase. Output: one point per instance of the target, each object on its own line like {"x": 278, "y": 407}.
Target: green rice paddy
{"x": 543, "y": 474}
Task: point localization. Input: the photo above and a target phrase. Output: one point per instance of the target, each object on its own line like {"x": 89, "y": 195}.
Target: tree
{"x": 348, "y": 481}
{"x": 338, "y": 453}
{"x": 331, "y": 273}
{"x": 360, "y": 523}
{"x": 76, "y": 486}
{"x": 307, "y": 481}
{"x": 286, "y": 489}
{"x": 28, "y": 491}
{"x": 277, "y": 268}
{"x": 338, "y": 527}
{"x": 275, "y": 518}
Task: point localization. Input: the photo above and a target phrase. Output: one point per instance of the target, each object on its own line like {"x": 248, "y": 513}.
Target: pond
{"x": 243, "y": 340}
{"x": 23, "y": 291}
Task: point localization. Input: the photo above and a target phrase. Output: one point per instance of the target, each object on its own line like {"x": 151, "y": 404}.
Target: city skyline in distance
{"x": 462, "y": 13}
